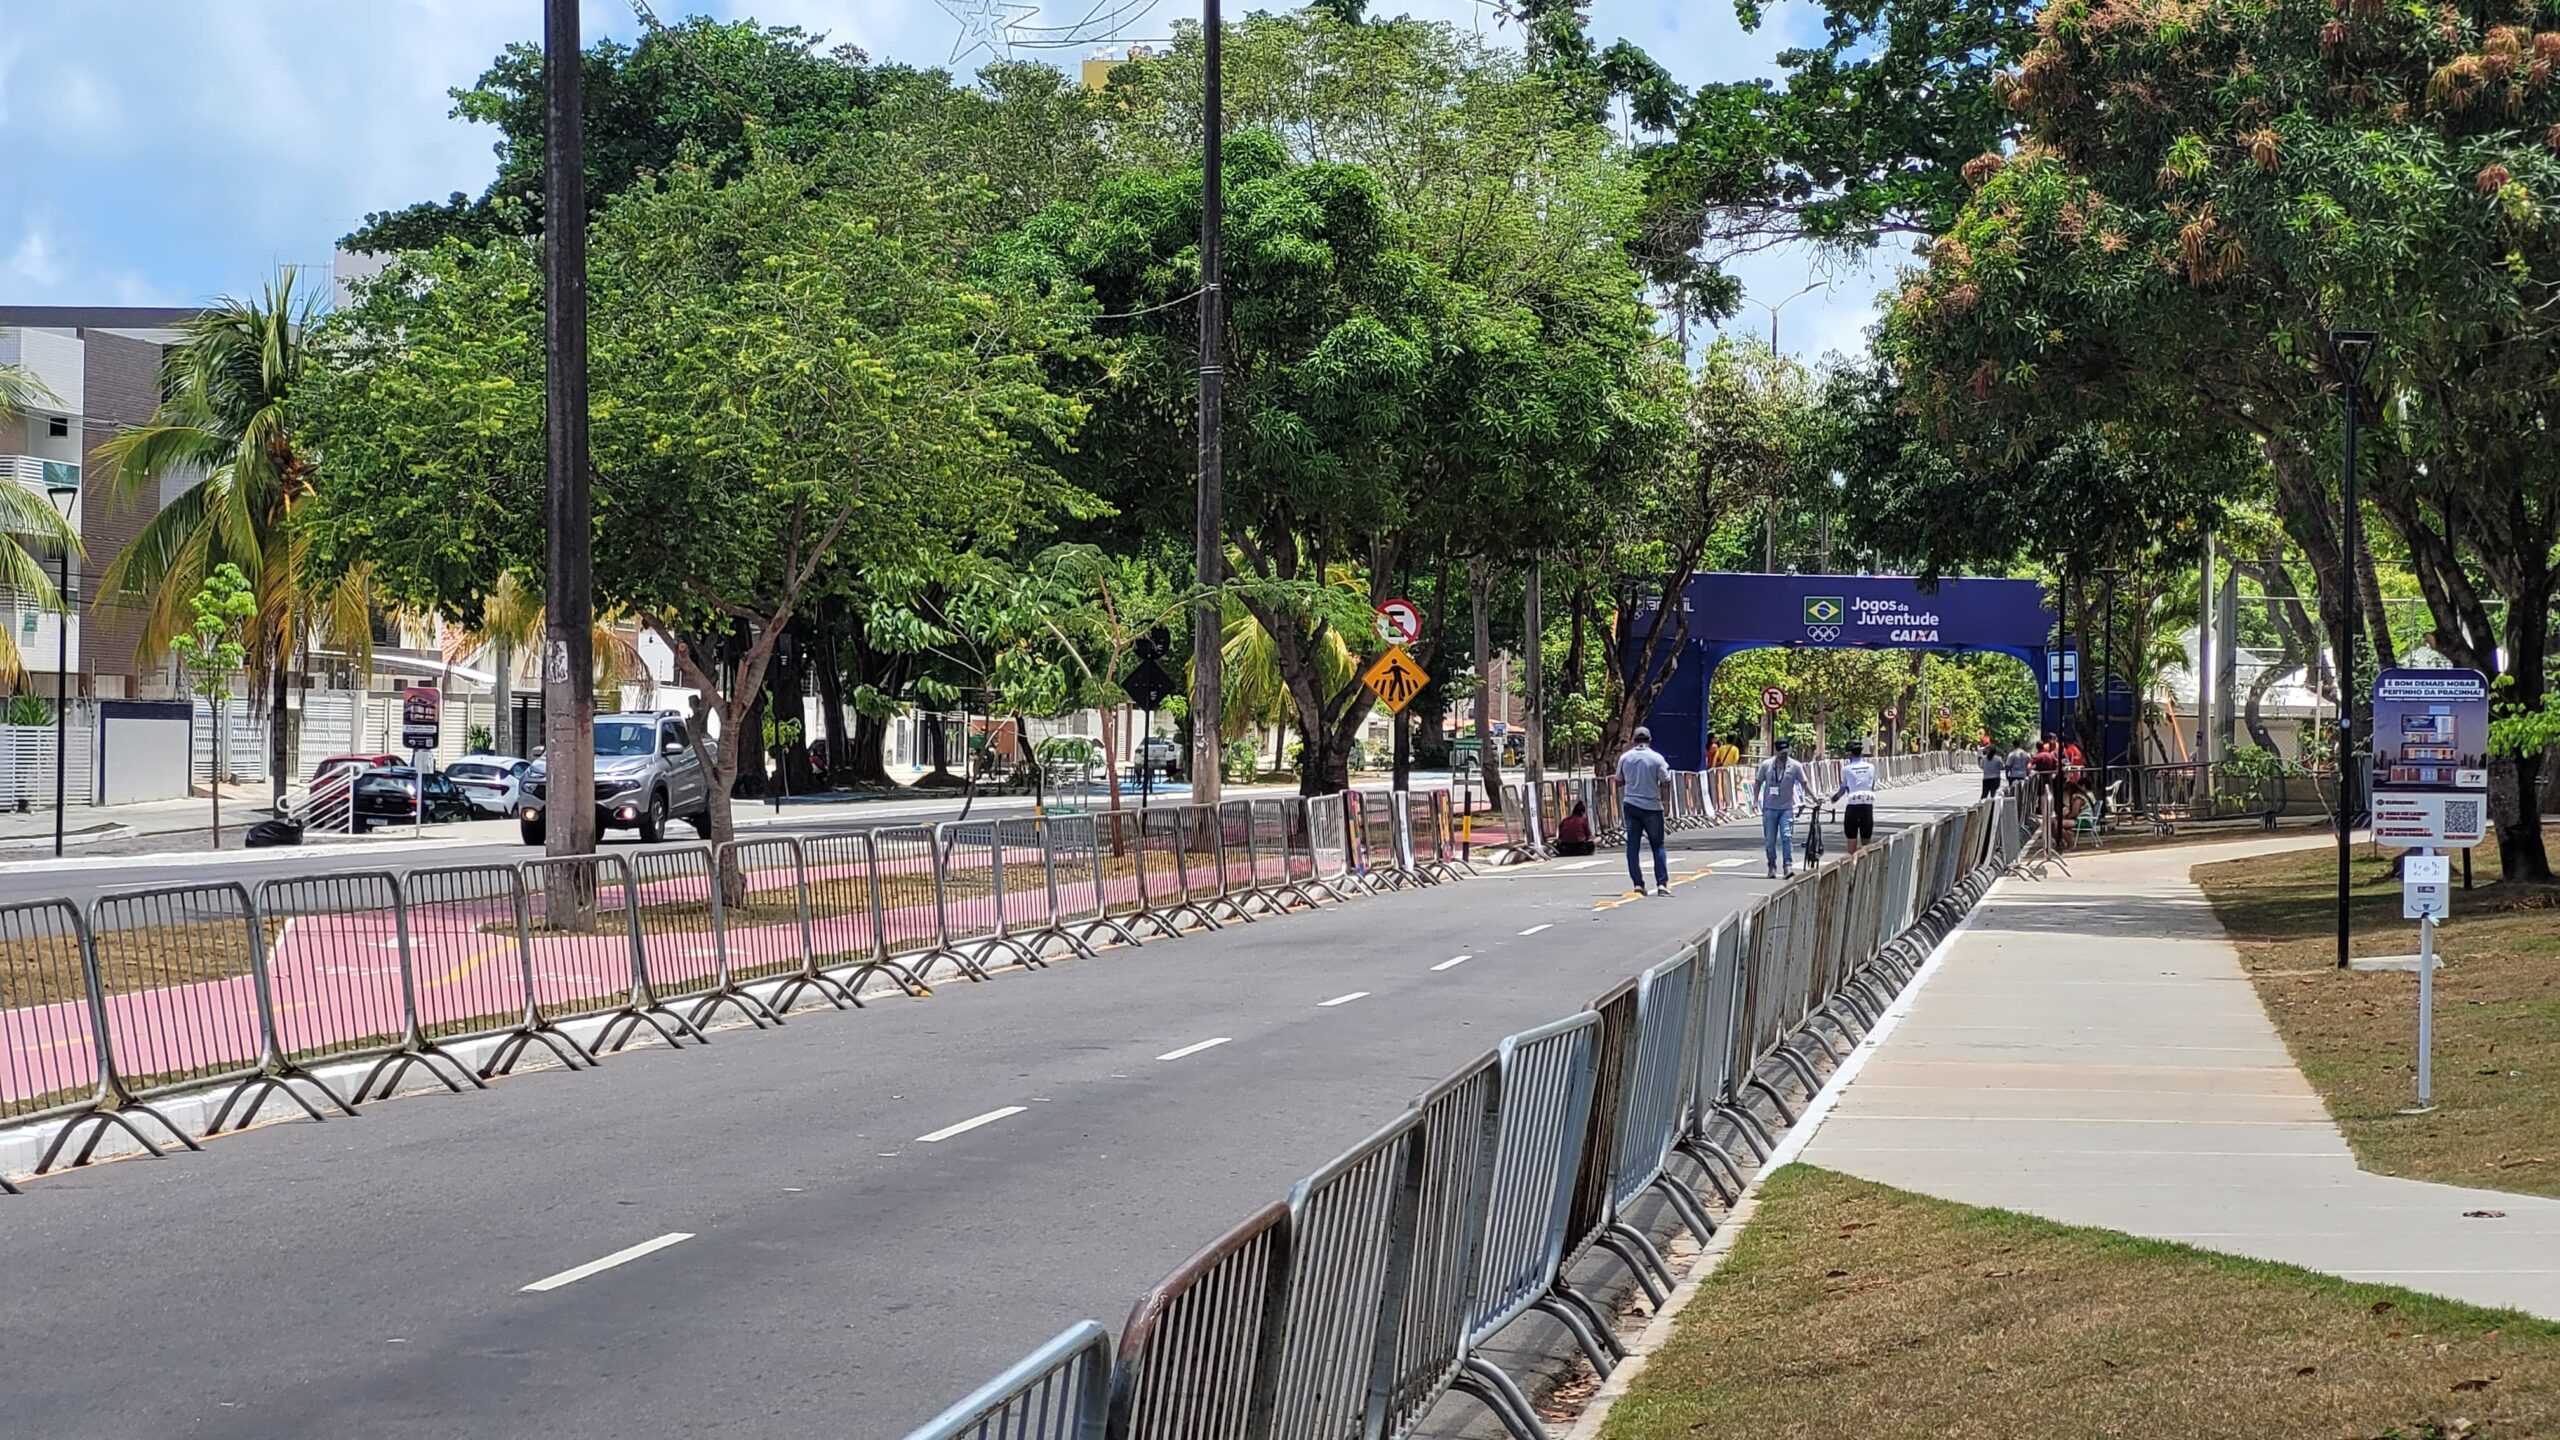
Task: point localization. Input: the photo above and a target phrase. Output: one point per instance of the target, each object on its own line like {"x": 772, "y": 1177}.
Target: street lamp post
{"x": 2106, "y": 685}
{"x": 2352, "y": 353}
{"x": 65, "y": 498}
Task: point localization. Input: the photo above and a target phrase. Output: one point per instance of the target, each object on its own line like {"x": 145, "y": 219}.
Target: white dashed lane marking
{"x": 972, "y": 1123}
{"x": 619, "y": 1257}
{"x": 1342, "y": 999}
{"x": 1453, "y": 962}
{"x": 1195, "y": 1049}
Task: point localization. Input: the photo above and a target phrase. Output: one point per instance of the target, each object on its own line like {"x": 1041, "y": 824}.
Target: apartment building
{"x": 102, "y": 366}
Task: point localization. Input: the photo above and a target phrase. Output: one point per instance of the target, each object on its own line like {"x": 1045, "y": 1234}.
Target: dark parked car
{"x": 388, "y": 795}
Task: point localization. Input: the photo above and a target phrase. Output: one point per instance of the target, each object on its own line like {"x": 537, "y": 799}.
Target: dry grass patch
{"x": 2497, "y": 1062}
{"x": 1853, "y": 1309}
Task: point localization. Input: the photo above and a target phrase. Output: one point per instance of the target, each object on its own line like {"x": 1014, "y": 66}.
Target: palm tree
{"x": 511, "y": 620}
{"x": 226, "y": 427}
{"x": 27, "y": 515}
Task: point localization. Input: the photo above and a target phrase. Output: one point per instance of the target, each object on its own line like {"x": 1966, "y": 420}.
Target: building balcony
{"x": 38, "y": 474}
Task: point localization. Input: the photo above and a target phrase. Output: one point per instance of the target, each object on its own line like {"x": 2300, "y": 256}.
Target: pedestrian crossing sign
{"x": 1395, "y": 679}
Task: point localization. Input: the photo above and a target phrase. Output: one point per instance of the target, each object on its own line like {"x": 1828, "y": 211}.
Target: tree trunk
{"x": 869, "y": 752}
{"x": 1111, "y": 745}
{"x": 831, "y": 700}
{"x": 279, "y": 771}
{"x": 1533, "y": 714}
{"x": 1488, "y": 754}
{"x": 744, "y": 741}
{"x": 502, "y": 696}
{"x": 2521, "y": 852}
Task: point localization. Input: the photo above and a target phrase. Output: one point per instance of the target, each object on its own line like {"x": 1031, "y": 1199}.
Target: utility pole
{"x": 568, "y": 659}
{"x": 1533, "y": 717}
{"x": 1209, "y": 537}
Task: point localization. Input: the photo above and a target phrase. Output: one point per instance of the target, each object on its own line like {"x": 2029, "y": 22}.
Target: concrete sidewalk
{"x": 2089, "y": 1049}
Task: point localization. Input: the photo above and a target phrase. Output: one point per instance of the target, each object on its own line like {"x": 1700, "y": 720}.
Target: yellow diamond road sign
{"x": 1395, "y": 679}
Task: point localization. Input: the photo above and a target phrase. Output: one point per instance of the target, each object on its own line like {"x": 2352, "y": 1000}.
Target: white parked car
{"x": 492, "y": 783}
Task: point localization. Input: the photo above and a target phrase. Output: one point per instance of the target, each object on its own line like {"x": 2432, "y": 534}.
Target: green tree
{"x": 783, "y": 384}
{"x": 704, "y": 89}
{"x": 211, "y": 649}
{"x": 2204, "y": 196}
{"x": 229, "y": 428}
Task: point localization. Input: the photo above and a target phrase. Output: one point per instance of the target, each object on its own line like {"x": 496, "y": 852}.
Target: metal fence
{"x": 1352, "y": 1306}
{"x": 461, "y": 971}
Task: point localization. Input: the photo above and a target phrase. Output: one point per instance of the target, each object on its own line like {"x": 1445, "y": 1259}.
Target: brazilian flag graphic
{"x": 1824, "y": 609}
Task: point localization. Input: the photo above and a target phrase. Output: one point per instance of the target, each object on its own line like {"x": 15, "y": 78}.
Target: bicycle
{"x": 1812, "y": 851}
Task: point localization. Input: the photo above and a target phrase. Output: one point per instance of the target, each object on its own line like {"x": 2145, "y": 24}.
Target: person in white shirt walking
{"x": 1774, "y": 787}
{"x": 1641, "y": 773}
{"x": 1858, "y": 787}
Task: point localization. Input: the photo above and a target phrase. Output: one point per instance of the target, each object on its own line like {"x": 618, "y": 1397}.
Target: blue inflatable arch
{"x": 1731, "y": 613}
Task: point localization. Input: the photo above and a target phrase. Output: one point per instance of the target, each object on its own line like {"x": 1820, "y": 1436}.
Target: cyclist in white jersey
{"x": 1858, "y": 785}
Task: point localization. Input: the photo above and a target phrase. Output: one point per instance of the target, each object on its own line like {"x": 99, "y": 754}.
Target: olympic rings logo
{"x": 1822, "y": 632}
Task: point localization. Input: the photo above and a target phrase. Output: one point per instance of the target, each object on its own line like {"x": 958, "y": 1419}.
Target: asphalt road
{"x": 859, "y": 1253}
{"x": 82, "y": 874}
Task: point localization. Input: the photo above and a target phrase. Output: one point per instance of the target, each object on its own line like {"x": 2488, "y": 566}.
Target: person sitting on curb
{"x": 1573, "y": 833}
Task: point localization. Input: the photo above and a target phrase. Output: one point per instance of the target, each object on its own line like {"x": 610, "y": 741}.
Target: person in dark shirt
{"x": 1573, "y": 832}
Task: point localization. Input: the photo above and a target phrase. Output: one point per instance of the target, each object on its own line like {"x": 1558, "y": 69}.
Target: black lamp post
{"x": 2106, "y": 683}
{"x": 2351, "y": 352}
{"x": 65, "y": 498}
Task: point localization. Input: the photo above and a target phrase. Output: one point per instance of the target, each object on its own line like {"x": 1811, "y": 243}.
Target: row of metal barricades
{"x": 1692, "y": 800}
{"x": 1349, "y": 1307}
{"x": 460, "y": 972}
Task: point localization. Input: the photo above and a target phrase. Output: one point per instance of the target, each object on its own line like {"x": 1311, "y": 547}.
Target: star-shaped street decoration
{"x": 985, "y": 25}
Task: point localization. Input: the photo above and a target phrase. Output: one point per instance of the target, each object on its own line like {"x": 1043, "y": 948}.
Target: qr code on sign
{"x": 2462, "y": 817}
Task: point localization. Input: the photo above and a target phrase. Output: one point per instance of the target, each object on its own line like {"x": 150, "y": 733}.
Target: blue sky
{"x": 166, "y": 151}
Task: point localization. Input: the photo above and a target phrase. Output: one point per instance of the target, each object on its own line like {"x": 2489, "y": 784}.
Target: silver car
{"x": 647, "y": 773}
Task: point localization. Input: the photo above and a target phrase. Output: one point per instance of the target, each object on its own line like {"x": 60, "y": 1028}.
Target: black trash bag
{"x": 275, "y": 832}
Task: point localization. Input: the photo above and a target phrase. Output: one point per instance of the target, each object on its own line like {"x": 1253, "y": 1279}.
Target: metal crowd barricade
{"x": 188, "y": 1004}
{"x": 1547, "y": 1078}
{"x": 1282, "y": 865}
{"x": 1350, "y": 1238}
{"x": 1192, "y": 1360}
{"x": 1427, "y": 835}
{"x": 681, "y": 896}
{"x": 1163, "y": 871}
{"x": 1129, "y": 880}
{"x": 766, "y": 933}
{"x": 588, "y": 964}
{"x": 1721, "y": 1059}
{"x": 1656, "y": 1098}
{"x": 906, "y": 899}
{"x": 853, "y": 934}
{"x": 1085, "y": 895}
{"x": 1026, "y": 891}
{"x": 1455, "y": 1126}
{"x": 340, "y": 979}
{"x": 1592, "y": 1220}
{"x": 1239, "y": 873}
{"x": 1201, "y": 862}
{"x": 1329, "y": 845}
{"x": 472, "y": 955}
{"x": 59, "y": 1062}
{"x": 1373, "y": 812}
{"x": 968, "y": 882}
{"x": 1061, "y": 1391}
